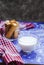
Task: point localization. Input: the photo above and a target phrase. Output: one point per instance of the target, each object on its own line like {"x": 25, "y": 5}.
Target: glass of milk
{"x": 28, "y": 42}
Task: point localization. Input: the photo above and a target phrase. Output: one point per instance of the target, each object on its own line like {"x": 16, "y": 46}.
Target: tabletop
{"x": 36, "y": 56}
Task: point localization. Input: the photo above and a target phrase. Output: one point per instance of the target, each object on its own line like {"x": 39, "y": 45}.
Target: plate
{"x": 9, "y": 39}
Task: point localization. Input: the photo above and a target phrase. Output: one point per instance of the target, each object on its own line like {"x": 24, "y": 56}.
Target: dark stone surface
{"x": 22, "y": 9}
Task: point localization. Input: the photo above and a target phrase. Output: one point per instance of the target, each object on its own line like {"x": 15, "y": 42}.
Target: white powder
{"x": 27, "y": 40}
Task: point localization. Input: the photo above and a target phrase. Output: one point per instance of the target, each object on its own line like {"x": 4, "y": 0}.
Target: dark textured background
{"x": 22, "y": 9}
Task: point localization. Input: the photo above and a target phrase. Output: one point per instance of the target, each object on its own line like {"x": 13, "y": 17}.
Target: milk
{"x": 27, "y": 43}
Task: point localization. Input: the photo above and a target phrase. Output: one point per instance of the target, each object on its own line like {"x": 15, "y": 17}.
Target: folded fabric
{"x": 2, "y": 28}
{"x": 27, "y": 26}
{"x": 9, "y": 53}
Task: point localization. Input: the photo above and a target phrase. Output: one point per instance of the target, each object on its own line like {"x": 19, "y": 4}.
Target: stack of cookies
{"x": 11, "y": 29}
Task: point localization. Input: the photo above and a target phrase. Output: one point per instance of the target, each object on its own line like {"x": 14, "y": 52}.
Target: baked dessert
{"x": 7, "y": 26}
{"x": 11, "y": 29}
